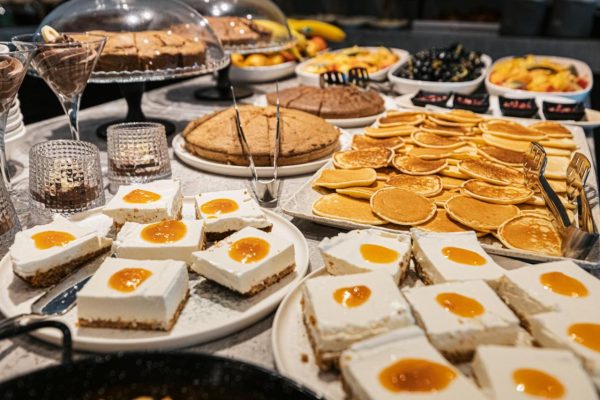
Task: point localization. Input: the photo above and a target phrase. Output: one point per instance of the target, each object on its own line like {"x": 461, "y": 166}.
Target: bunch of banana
{"x": 311, "y": 27}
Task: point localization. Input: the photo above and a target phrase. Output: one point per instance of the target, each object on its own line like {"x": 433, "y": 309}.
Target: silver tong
{"x": 358, "y": 76}
{"x": 577, "y": 173}
{"x": 576, "y": 241}
{"x": 266, "y": 192}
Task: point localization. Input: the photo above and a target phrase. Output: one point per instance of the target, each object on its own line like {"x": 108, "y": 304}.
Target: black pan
{"x": 125, "y": 376}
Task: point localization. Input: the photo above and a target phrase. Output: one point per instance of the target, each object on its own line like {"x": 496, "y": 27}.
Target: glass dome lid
{"x": 147, "y": 39}
{"x": 246, "y": 26}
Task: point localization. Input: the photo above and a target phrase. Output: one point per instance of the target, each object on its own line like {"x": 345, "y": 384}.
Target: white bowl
{"x": 262, "y": 74}
{"x": 310, "y": 79}
{"x": 582, "y": 70}
{"x": 403, "y": 85}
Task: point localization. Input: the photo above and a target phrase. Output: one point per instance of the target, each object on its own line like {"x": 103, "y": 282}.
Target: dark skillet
{"x": 125, "y": 376}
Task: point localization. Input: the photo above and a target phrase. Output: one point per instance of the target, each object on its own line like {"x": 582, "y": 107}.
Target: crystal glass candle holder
{"x": 65, "y": 177}
{"x": 137, "y": 153}
{"x": 9, "y": 222}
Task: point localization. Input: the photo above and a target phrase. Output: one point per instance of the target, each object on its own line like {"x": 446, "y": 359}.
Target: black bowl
{"x": 560, "y": 111}
{"x": 478, "y": 103}
{"x": 522, "y": 108}
{"x": 423, "y": 98}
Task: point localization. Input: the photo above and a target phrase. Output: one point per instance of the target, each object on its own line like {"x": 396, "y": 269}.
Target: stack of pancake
{"x": 448, "y": 172}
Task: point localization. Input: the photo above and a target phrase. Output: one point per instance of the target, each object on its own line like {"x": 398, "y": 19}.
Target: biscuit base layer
{"x": 423, "y": 276}
{"x": 216, "y": 236}
{"x": 56, "y": 274}
{"x": 270, "y": 281}
{"x": 326, "y": 361}
{"x": 141, "y": 326}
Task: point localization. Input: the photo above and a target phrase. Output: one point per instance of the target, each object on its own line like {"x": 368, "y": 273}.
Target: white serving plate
{"x": 210, "y": 313}
{"x": 402, "y": 85}
{"x": 582, "y": 70}
{"x": 262, "y": 74}
{"x": 299, "y": 205}
{"x": 290, "y": 340}
{"x": 311, "y": 79}
{"x": 389, "y": 104}
{"x": 244, "y": 172}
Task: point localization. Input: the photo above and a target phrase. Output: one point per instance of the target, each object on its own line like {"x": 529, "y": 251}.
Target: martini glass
{"x": 13, "y": 67}
{"x": 66, "y": 66}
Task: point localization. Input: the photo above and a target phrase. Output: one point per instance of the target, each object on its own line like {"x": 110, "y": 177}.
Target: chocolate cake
{"x": 334, "y": 102}
{"x": 234, "y": 31}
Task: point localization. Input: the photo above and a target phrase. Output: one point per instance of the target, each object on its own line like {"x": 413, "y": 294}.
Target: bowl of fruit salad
{"x": 441, "y": 70}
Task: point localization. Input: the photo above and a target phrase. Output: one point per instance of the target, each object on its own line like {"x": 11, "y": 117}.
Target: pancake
{"x": 383, "y": 174}
{"x": 449, "y": 182}
{"x": 482, "y": 190}
{"x": 488, "y": 171}
{"x": 400, "y": 130}
{"x": 360, "y": 142}
{"x": 478, "y": 214}
{"x": 531, "y": 232}
{"x": 375, "y": 157}
{"x": 460, "y": 115}
{"x": 441, "y": 223}
{"x": 438, "y": 120}
{"x": 441, "y": 198}
{"x": 432, "y": 127}
{"x": 556, "y": 167}
{"x": 426, "y": 185}
{"x": 346, "y": 208}
{"x": 436, "y": 154}
{"x": 416, "y": 166}
{"x": 402, "y": 207}
{"x": 453, "y": 172}
{"x": 343, "y": 178}
{"x": 511, "y": 130}
{"x": 395, "y": 118}
{"x": 506, "y": 157}
{"x": 364, "y": 192}
{"x": 552, "y": 129}
{"x": 562, "y": 143}
{"x": 538, "y": 200}
{"x": 558, "y": 186}
{"x": 506, "y": 144}
{"x": 432, "y": 140}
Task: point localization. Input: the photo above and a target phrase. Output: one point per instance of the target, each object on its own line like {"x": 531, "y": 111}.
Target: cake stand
{"x": 146, "y": 35}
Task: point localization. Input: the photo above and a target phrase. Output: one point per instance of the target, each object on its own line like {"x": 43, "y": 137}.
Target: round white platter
{"x": 262, "y": 74}
{"x": 389, "y": 104}
{"x": 241, "y": 171}
{"x": 210, "y": 313}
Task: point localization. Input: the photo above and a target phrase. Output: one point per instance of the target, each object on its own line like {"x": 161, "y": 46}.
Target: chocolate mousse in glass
{"x": 13, "y": 67}
{"x": 65, "y": 62}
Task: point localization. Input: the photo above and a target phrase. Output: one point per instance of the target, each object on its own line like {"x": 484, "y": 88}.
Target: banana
{"x": 312, "y": 27}
{"x": 277, "y": 29}
{"x": 49, "y": 34}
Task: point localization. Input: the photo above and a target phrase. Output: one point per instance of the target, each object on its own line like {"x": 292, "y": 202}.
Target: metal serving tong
{"x": 577, "y": 173}
{"x": 576, "y": 242}
{"x": 266, "y": 192}
{"x": 358, "y": 76}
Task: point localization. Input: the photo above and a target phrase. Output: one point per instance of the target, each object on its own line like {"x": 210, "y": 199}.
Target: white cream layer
{"x": 248, "y": 213}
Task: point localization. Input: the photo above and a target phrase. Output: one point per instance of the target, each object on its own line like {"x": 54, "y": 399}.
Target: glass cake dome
{"x": 147, "y": 39}
{"x": 246, "y": 26}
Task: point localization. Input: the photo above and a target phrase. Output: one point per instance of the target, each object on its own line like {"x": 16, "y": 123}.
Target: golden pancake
{"x": 432, "y": 127}
{"x": 558, "y": 186}
{"x": 520, "y": 146}
{"x": 343, "y": 178}
{"x": 383, "y": 174}
{"x": 401, "y": 130}
{"x": 346, "y": 208}
{"x": 538, "y": 200}
{"x": 556, "y": 167}
{"x": 416, "y": 166}
{"x": 488, "y": 171}
{"x": 531, "y": 232}
{"x": 562, "y": 143}
{"x": 441, "y": 223}
{"x": 432, "y": 140}
{"x": 402, "y": 207}
{"x": 360, "y": 142}
{"x": 426, "y": 185}
{"x": 503, "y": 156}
{"x": 453, "y": 172}
{"x": 530, "y": 208}
{"x": 511, "y": 130}
{"x": 438, "y": 120}
{"x": 395, "y": 118}
{"x": 552, "y": 129}
{"x": 478, "y": 214}
{"x": 449, "y": 182}
{"x": 441, "y": 198}
{"x": 364, "y": 192}
{"x": 459, "y": 115}
{"x": 482, "y": 190}
{"x": 436, "y": 154}
{"x": 376, "y": 157}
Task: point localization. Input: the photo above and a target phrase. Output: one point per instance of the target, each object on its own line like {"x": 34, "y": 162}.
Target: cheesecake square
{"x": 44, "y": 254}
{"x": 459, "y": 316}
{"x": 146, "y": 202}
{"x": 229, "y": 211}
{"x": 549, "y": 287}
{"x": 577, "y": 330}
{"x": 367, "y": 250}
{"x": 515, "y": 373}
{"x": 134, "y": 294}
{"x": 399, "y": 365}
{"x": 164, "y": 240}
{"x": 247, "y": 262}
{"x": 341, "y": 310}
{"x": 451, "y": 257}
